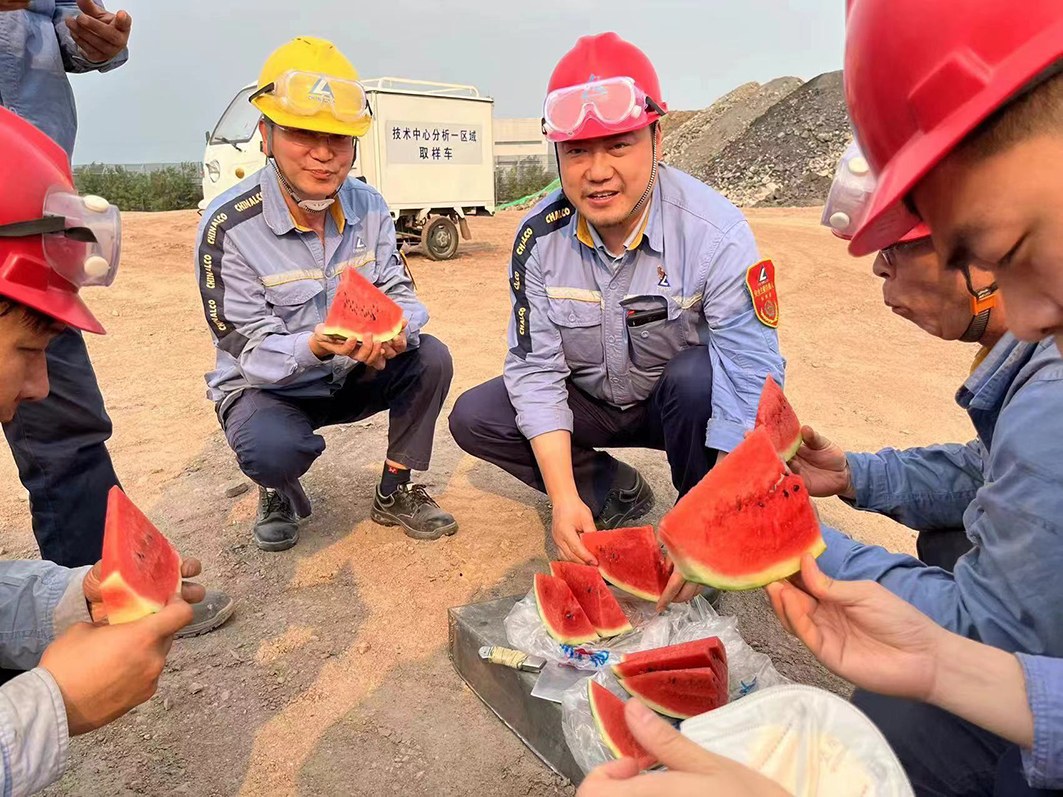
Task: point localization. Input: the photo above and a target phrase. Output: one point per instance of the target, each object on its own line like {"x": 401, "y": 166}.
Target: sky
{"x": 187, "y": 60}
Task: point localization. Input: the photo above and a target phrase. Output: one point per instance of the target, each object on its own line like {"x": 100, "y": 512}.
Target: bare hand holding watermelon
{"x": 867, "y": 635}
{"x": 860, "y": 631}
{"x": 678, "y": 590}
{"x": 397, "y": 345}
{"x": 822, "y": 465}
{"x": 370, "y": 351}
{"x": 692, "y": 770}
{"x": 571, "y": 518}
{"x": 103, "y": 671}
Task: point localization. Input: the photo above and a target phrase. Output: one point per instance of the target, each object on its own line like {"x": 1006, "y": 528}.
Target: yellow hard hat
{"x": 308, "y": 84}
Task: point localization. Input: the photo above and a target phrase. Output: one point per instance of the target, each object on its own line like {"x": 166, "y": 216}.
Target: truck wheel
{"x": 439, "y": 238}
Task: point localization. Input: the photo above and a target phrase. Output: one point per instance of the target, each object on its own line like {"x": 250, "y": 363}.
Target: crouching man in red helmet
{"x": 81, "y": 673}
{"x": 643, "y": 315}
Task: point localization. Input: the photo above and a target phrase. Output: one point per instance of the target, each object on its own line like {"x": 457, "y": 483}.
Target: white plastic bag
{"x": 810, "y": 741}
{"x": 748, "y": 671}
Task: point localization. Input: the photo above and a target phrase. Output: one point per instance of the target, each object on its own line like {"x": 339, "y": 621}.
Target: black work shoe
{"x": 209, "y": 613}
{"x": 624, "y": 506}
{"x": 411, "y": 507}
{"x": 277, "y": 525}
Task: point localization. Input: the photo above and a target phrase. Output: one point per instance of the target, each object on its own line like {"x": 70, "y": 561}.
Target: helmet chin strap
{"x": 309, "y": 205}
{"x": 982, "y": 303}
{"x": 653, "y": 176}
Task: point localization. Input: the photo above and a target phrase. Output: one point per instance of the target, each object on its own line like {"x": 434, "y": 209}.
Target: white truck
{"x": 429, "y": 152}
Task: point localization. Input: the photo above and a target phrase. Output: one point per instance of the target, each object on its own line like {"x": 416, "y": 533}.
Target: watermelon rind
{"x": 602, "y": 700}
{"x": 639, "y": 686}
{"x": 702, "y": 574}
{"x": 596, "y": 606}
{"x": 346, "y": 334}
{"x": 585, "y": 634}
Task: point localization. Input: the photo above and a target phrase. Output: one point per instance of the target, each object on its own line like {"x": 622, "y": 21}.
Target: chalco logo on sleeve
{"x": 760, "y": 281}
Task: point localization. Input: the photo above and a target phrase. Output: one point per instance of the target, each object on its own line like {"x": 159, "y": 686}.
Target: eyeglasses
{"x": 920, "y": 246}
{"x": 309, "y": 139}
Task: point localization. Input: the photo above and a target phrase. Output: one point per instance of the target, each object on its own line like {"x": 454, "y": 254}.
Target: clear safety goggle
{"x": 81, "y": 237}
{"x": 309, "y": 93}
{"x": 849, "y": 194}
{"x": 612, "y": 101}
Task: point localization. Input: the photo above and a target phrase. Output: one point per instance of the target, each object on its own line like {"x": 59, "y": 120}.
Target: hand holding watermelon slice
{"x": 692, "y": 770}
{"x": 190, "y": 591}
{"x": 103, "y": 671}
{"x": 823, "y": 466}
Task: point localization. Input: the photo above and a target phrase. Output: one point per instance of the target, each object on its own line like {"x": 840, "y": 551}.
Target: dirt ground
{"x": 333, "y": 677}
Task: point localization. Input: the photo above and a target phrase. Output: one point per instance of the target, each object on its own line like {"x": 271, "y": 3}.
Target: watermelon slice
{"x": 361, "y": 309}
{"x": 140, "y": 571}
{"x": 608, "y": 712}
{"x": 565, "y": 621}
{"x": 594, "y": 597}
{"x": 776, "y": 415}
{"x": 708, "y": 652}
{"x": 631, "y": 560}
{"x": 744, "y": 525}
{"x": 678, "y": 693}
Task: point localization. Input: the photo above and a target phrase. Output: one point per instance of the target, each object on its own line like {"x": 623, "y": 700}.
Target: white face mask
{"x": 809, "y": 741}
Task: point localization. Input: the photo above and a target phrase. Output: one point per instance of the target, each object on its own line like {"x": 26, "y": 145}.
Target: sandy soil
{"x": 333, "y": 677}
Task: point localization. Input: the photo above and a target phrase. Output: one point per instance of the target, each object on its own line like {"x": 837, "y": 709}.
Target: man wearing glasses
{"x": 270, "y": 254}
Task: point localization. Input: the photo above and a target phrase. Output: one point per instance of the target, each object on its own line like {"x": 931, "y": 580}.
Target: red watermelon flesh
{"x": 561, "y": 614}
{"x": 776, "y": 415}
{"x": 678, "y": 693}
{"x": 631, "y": 560}
{"x": 140, "y": 571}
{"x": 361, "y": 309}
{"x": 608, "y": 712}
{"x": 594, "y": 597}
{"x": 744, "y": 525}
{"x": 708, "y": 652}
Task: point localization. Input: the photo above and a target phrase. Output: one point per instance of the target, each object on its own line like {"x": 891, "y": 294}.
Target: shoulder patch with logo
{"x": 760, "y": 281}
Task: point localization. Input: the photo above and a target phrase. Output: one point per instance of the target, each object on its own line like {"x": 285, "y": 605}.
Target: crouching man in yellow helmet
{"x": 269, "y": 258}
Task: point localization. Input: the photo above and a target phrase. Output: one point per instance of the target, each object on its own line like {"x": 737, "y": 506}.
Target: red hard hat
{"x": 922, "y": 74}
{"x": 31, "y": 165}
{"x": 602, "y": 56}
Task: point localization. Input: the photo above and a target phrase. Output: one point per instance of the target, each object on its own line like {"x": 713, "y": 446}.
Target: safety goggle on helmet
{"x": 310, "y": 93}
{"x": 617, "y": 104}
{"x": 81, "y": 236}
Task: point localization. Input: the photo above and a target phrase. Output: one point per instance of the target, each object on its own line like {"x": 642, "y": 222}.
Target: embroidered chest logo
{"x": 359, "y": 244}
{"x": 662, "y": 278}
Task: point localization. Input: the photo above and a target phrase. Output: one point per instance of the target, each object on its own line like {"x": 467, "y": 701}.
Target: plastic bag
{"x": 748, "y": 671}
{"x": 808, "y": 740}
{"x": 525, "y": 631}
